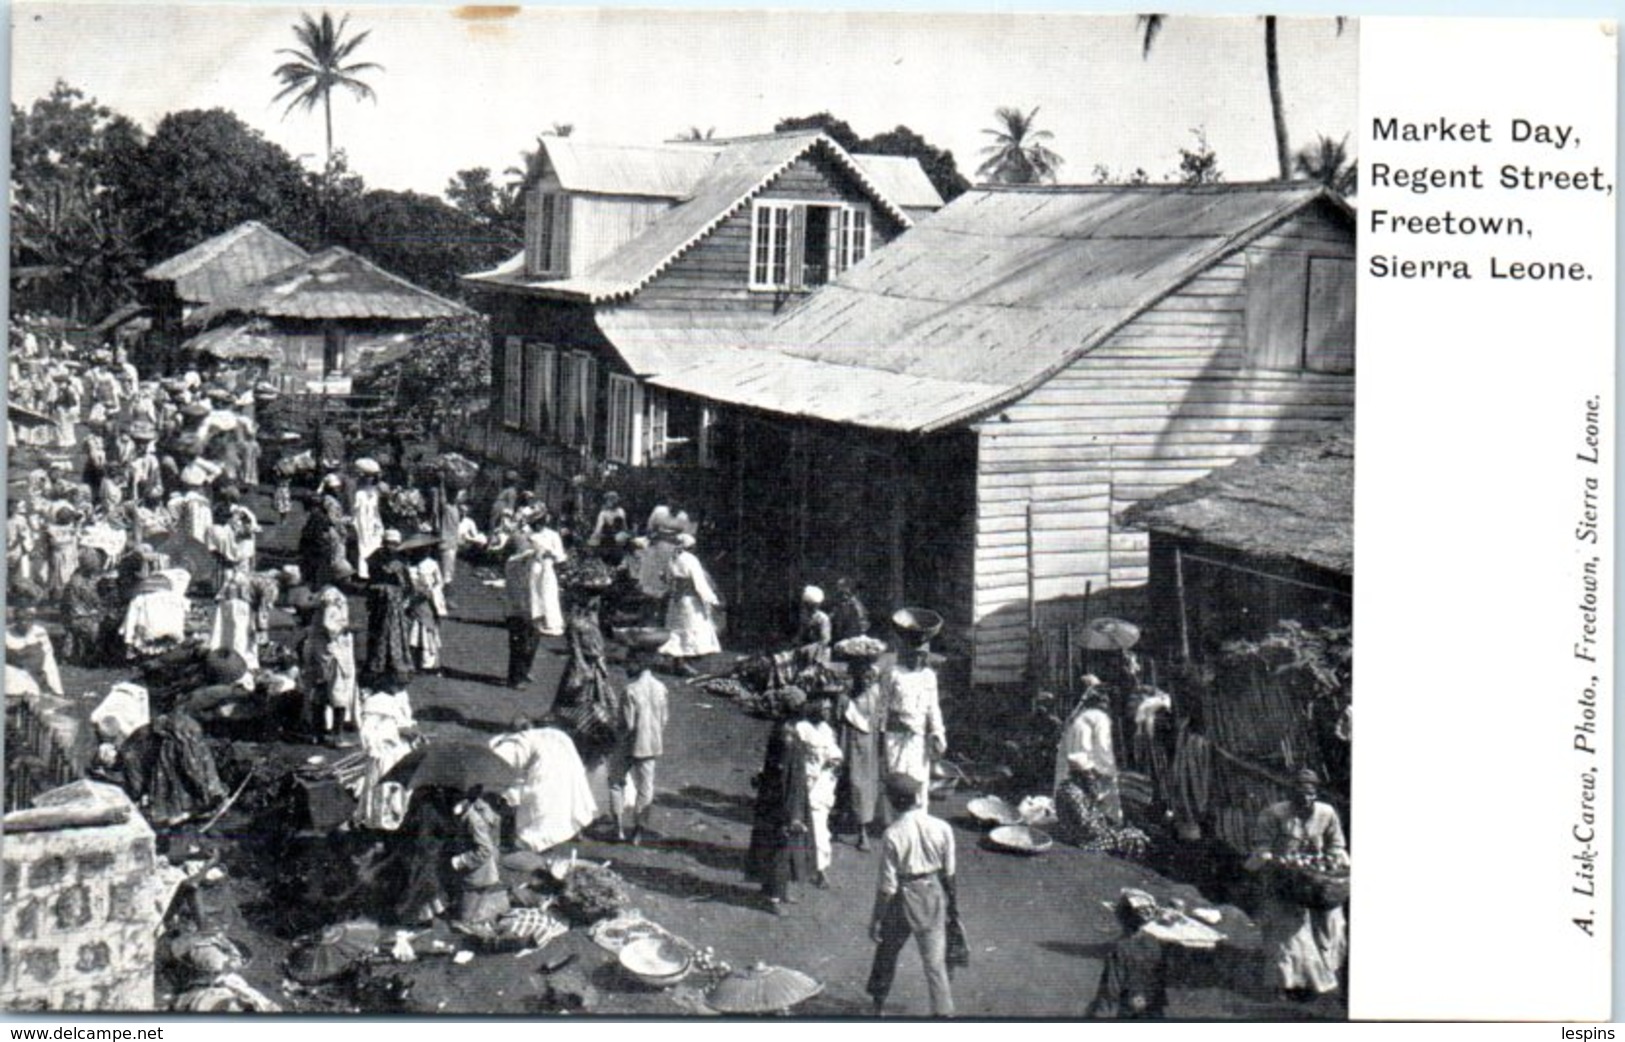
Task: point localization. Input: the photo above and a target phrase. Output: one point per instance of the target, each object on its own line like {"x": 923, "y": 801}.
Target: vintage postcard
{"x": 534, "y": 511}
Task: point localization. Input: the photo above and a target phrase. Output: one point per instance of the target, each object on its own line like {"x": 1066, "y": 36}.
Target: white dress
{"x": 914, "y": 730}
{"x": 430, "y": 584}
{"x": 553, "y": 802}
{"x": 689, "y": 615}
{"x": 158, "y": 615}
{"x": 821, "y": 755}
{"x": 550, "y": 551}
{"x": 369, "y": 528}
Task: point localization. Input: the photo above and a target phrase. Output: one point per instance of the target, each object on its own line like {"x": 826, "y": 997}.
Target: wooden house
{"x": 960, "y": 420}
{"x": 209, "y": 271}
{"x": 313, "y": 323}
{"x": 644, "y": 259}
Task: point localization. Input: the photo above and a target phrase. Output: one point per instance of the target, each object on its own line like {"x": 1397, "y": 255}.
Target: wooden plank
{"x": 1077, "y": 473}
{"x": 1052, "y": 493}
{"x": 1045, "y": 413}
{"x": 1240, "y": 389}
{"x": 1094, "y": 536}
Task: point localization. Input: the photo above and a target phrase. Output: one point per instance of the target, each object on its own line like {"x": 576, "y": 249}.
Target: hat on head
{"x": 611, "y": 498}
{"x": 392, "y": 537}
{"x": 367, "y": 465}
{"x": 1306, "y": 778}
{"x": 812, "y": 595}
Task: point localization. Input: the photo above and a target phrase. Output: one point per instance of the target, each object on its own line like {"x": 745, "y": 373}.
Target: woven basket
{"x": 1321, "y": 891}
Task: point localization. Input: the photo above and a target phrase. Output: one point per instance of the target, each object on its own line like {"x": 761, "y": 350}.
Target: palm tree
{"x": 1018, "y": 155}
{"x": 1329, "y": 162}
{"x": 318, "y": 66}
{"x": 1151, "y": 24}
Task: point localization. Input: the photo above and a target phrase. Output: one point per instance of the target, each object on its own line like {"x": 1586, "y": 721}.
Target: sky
{"x": 458, "y": 91}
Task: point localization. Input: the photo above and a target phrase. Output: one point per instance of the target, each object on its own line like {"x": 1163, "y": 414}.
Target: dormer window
{"x": 798, "y": 246}
{"x": 547, "y": 233}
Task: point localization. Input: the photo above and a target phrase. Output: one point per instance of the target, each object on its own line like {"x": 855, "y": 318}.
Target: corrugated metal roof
{"x": 216, "y": 267}
{"x": 658, "y": 171}
{"x": 779, "y": 383}
{"x": 334, "y": 283}
{"x": 740, "y": 169}
{"x": 1293, "y": 501}
{"x": 1007, "y": 286}
{"x": 902, "y": 180}
{"x": 655, "y": 342}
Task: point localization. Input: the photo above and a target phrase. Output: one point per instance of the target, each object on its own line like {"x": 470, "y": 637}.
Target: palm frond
{"x": 1150, "y": 25}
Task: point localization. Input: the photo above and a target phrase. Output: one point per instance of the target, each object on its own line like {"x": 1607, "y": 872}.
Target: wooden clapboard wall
{"x": 714, "y": 273}
{"x": 1174, "y": 394}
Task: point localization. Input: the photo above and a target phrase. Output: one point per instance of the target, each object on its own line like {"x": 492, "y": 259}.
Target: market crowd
{"x": 133, "y": 530}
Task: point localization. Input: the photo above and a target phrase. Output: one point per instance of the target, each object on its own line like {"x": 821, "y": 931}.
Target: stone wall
{"x": 78, "y": 918}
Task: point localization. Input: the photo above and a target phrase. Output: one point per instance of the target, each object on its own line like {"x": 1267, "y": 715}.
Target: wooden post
{"x": 1034, "y": 645}
{"x": 739, "y": 520}
{"x": 1179, "y": 590}
{"x": 895, "y": 523}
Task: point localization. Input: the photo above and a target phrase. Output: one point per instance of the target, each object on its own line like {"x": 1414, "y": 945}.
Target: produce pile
{"x": 1312, "y": 880}
{"x": 592, "y": 892}
{"x": 772, "y": 704}
{"x": 585, "y": 572}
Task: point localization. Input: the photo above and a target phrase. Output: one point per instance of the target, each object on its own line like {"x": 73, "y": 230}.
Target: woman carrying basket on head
{"x": 1304, "y": 946}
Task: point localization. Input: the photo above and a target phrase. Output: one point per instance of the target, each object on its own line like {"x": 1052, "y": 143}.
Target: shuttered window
{"x": 796, "y": 246}
{"x": 1329, "y": 336}
{"x": 541, "y": 388}
{"x": 578, "y": 398}
{"x": 547, "y": 233}
{"x": 513, "y": 381}
{"x": 625, "y": 419}
{"x": 1300, "y": 312}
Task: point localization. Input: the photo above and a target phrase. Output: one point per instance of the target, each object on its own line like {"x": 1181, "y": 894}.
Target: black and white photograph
{"x": 679, "y": 514}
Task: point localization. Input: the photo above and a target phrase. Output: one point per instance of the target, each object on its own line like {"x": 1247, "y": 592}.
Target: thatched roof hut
{"x": 1291, "y": 503}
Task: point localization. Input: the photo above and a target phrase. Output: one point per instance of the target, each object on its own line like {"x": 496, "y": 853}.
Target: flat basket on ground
{"x": 1020, "y": 839}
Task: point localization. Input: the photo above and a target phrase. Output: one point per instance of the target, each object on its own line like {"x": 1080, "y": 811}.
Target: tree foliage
{"x": 204, "y": 172}
{"x": 448, "y": 368}
{"x": 68, "y": 156}
{"x": 938, "y": 163}
{"x": 418, "y": 237}
{"x": 1199, "y": 165}
{"x": 321, "y": 63}
{"x": 1330, "y": 163}
{"x": 498, "y": 208}
{"x": 1018, "y": 155}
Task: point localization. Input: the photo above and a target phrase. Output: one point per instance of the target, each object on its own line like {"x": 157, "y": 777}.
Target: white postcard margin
{"x": 1484, "y": 490}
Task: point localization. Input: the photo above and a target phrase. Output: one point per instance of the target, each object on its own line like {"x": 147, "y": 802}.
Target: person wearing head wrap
{"x": 369, "y": 518}
{"x": 915, "y": 735}
{"x": 862, "y": 719}
{"x": 550, "y": 553}
{"x": 1304, "y": 947}
{"x": 507, "y": 499}
{"x": 780, "y": 839}
{"x": 62, "y": 539}
{"x": 389, "y": 631}
{"x": 1085, "y": 756}
{"x": 327, "y": 674}
{"x": 611, "y": 522}
{"x": 821, "y": 758}
{"x": 689, "y": 614}
{"x": 814, "y": 637}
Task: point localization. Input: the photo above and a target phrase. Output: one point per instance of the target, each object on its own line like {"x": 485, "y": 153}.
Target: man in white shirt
{"x": 1086, "y": 745}
{"x": 915, "y": 896}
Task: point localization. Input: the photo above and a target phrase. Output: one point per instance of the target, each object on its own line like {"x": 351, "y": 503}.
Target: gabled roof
{"x": 217, "y": 266}
{"x": 902, "y": 179}
{"x": 1005, "y": 287}
{"x": 1290, "y": 502}
{"x": 334, "y": 283}
{"x": 656, "y": 171}
{"x": 740, "y": 169}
